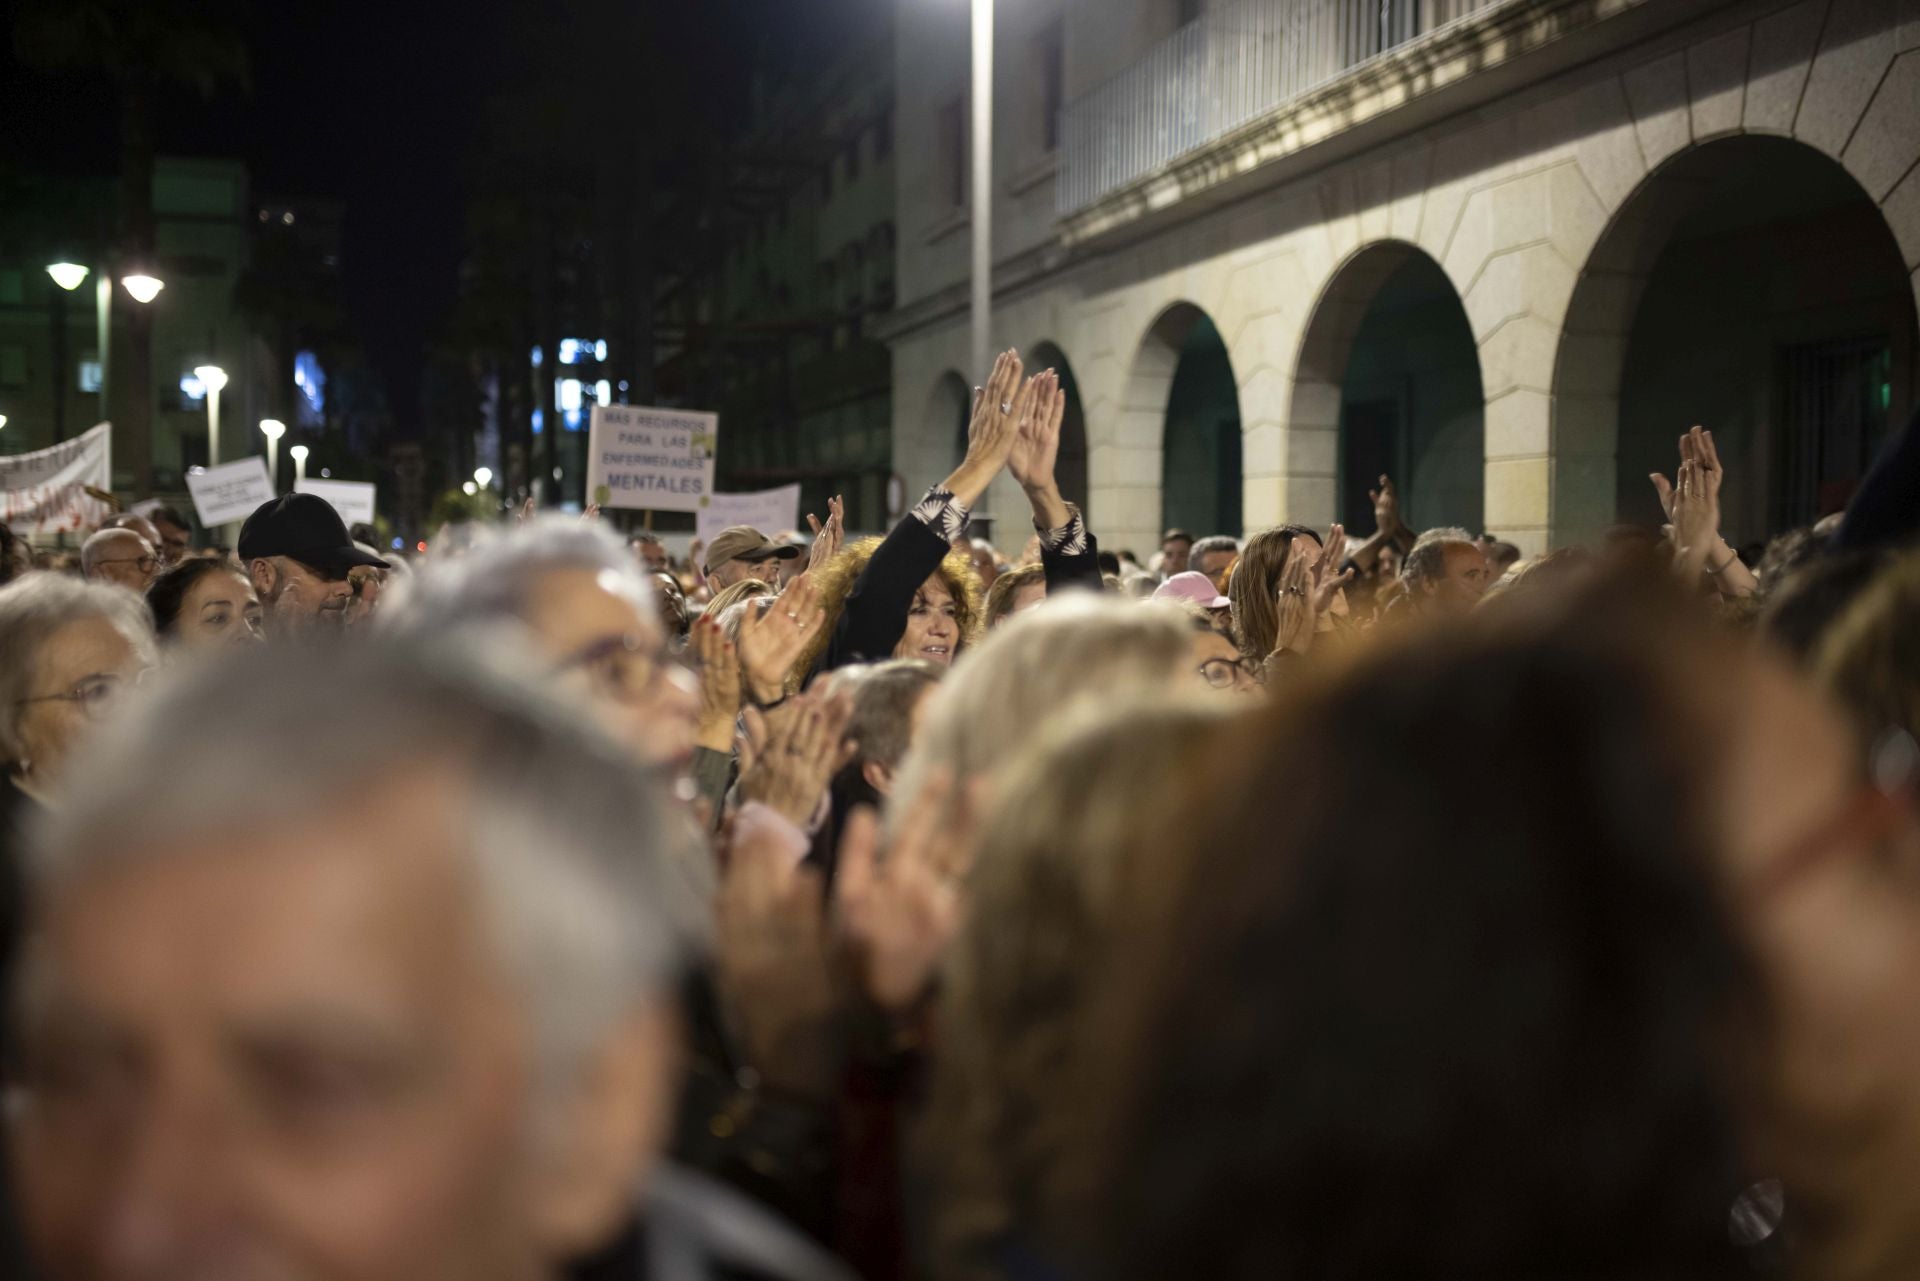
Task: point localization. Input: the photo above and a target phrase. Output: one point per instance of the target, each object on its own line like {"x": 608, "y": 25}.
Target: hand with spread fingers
{"x": 806, "y": 745}
{"x": 1295, "y": 598}
{"x": 771, "y": 641}
{"x": 720, "y": 684}
{"x": 830, "y": 537}
{"x": 899, "y": 913}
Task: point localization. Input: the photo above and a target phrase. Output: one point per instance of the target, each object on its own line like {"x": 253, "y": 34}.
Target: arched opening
{"x": 1389, "y": 371}
{"x": 1185, "y": 362}
{"x": 948, "y": 409}
{"x": 1071, "y": 467}
{"x": 1750, "y": 286}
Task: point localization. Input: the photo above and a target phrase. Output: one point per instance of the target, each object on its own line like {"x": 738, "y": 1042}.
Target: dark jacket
{"x": 875, "y": 615}
{"x": 16, "y": 811}
{"x": 695, "y": 1229}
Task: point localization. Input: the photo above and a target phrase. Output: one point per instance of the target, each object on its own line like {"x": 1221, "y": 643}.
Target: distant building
{"x": 1507, "y": 250}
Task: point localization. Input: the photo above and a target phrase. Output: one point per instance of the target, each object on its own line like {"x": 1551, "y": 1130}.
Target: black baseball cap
{"x": 306, "y": 528}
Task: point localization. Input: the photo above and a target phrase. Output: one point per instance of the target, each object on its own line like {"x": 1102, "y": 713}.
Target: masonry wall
{"x": 1529, "y": 207}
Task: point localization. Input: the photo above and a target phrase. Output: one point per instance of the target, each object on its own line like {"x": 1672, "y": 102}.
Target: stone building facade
{"x": 1507, "y": 254}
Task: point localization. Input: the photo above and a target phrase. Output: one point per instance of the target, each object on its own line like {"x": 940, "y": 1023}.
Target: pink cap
{"x": 1192, "y": 586}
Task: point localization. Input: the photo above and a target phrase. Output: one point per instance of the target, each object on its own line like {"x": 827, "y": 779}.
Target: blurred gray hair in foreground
{"x": 35, "y": 606}
{"x": 495, "y": 578}
{"x": 571, "y": 843}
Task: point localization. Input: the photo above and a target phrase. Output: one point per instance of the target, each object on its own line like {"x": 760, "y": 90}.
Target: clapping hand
{"x": 1386, "y": 507}
{"x": 1310, "y": 582}
{"x": 806, "y": 745}
{"x": 1692, "y": 501}
{"x": 771, "y": 641}
{"x": 900, "y": 913}
{"x": 719, "y": 684}
{"x": 827, "y": 538}
{"x": 1037, "y": 449}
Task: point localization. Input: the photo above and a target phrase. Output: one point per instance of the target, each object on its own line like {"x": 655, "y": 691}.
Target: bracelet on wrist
{"x": 1725, "y": 565}
{"x": 764, "y": 705}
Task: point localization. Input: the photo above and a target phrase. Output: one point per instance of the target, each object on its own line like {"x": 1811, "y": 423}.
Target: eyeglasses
{"x": 147, "y": 564}
{"x": 1225, "y": 673}
{"x": 90, "y": 694}
{"x": 625, "y": 665}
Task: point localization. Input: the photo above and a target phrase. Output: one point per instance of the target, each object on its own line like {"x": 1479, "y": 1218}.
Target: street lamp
{"x": 3, "y": 420}
{"x": 67, "y": 275}
{"x": 482, "y": 476}
{"x": 143, "y": 288}
{"x": 213, "y": 378}
{"x": 299, "y": 453}
{"x": 273, "y": 429}
{"x": 470, "y": 489}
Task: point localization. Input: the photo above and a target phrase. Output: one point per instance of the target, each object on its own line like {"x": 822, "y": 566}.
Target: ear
{"x": 263, "y": 575}
{"x": 603, "y": 1139}
{"x": 879, "y": 777}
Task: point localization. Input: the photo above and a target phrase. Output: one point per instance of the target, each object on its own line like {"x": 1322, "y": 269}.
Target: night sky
{"x": 384, "y": 106}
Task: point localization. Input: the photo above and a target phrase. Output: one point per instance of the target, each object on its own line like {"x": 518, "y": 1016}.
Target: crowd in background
{"x": 1307, "y": 904}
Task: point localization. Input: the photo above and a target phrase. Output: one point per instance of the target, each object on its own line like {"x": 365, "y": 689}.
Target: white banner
{"x": 655, "y": 459}
{"x": 771, "y": 511}
{"x": 353, "y": 499}
{"x": 232, "y": 491}
{"x": 45, "y": 492}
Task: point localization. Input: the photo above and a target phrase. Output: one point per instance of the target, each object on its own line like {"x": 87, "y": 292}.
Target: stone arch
{"x": 949, "y": 405}
{"x": 1180, "y": 402}
{"x": 1785, "y": 355}
{"x": 1071, "y": 469}
{"x": 1387, "y": 379}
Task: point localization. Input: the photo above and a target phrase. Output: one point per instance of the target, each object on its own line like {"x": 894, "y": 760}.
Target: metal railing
{"x": 1233, "y": 64}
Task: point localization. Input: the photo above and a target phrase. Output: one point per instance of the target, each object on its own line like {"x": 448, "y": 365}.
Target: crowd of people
{"x": 1308, "y": 904}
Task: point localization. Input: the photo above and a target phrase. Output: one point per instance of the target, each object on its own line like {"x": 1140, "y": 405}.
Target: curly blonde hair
{"x": 834, "y": 582}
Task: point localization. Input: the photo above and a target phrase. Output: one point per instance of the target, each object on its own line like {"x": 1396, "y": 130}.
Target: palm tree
{"x": 144, "y": 48}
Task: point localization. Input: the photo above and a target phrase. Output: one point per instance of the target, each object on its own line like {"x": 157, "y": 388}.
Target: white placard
{"x": 232, "y": 491}
{"x": 353, "y": 499}
{"x": 45, "y": 491}
{"x": 771, "y": 511}
{"x": 656, "y": 459}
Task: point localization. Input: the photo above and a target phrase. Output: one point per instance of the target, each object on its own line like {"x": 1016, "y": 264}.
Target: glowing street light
{"x": 213, "y": 378}
{"x": 299, "y": 453}
{"x": 143, "y": 288}
{"x": 3, "y": 420}
{"x": 482, "y": 477}
{"x": 273, "y": 429}
{"x": 67, "y": 275}
{"x": 470, "y": 489}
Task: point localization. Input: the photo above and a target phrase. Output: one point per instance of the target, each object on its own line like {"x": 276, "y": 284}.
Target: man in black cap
{"x": 298, "y": 554}
{"x": 737, "y": 554}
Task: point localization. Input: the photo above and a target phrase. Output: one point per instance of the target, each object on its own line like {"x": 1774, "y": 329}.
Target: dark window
{"x": 1051, "y": 49}
{"x": 951, "y": 147}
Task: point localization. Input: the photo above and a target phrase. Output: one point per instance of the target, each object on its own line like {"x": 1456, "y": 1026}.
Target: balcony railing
{"x": 1239, "y": 61}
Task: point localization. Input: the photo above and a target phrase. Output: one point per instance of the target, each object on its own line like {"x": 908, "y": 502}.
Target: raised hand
{"x": 525, "y": 513}
{"x": 805, "y": 747}
{"x": 719, "y": 684}
{"x": 899, "y": 914}
{"x": 991, "y": 431}
{"x": 772, "y": 641}
{"x": 827, "y": 538}
{"x": 1294, "y": 597}
{"x": 1386, "y": 507}
{"x": 1328, "y": 577}
{"x": 771, "y": 953}
{"x": 1036, "y": 448}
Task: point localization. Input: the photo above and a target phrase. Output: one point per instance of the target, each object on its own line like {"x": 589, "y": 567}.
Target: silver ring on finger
{"x": 1006, "y": 406}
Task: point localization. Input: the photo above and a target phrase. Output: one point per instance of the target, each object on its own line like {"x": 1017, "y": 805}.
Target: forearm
{"x": 1367, "y": 554}
{"x": 1729, "y": 573}
{"x": 1050, "y": 510}
{"x": 969, "y": 481}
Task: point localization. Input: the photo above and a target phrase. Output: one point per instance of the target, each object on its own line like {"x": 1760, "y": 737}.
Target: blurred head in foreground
{"x": 384, "y": 995}
{"x": 1549, "y": 1037}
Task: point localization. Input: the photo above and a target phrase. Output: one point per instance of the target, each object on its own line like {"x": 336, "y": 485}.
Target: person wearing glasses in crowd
{"x": 120, "y": 557}
{"x": 298, "y": 555}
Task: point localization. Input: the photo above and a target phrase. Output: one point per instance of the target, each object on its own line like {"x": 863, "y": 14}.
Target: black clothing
{"x": 1885, "y": 511}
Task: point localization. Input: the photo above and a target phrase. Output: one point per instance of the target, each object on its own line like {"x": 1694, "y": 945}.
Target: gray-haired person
{"x": 388, "y": 993}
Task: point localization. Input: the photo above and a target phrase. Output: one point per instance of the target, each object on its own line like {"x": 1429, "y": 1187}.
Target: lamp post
{"x": 144, "y": 288}
{"x": 273, "y": 429}
{"x": 140, "y": 287}
{"x": 213, "y": 378}
{"x": 299, "y": 453}
{"x": 67, "y": 275}
{"x": 982, "y": 193}
{"x": 482, "y": 477}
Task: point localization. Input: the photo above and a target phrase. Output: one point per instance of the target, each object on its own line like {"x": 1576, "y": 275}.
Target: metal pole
{"x": 103, "y": 292}
{"x": 213, "y": 426}
{"x": 982, "y": 187}
{"x": 273, "y": 463}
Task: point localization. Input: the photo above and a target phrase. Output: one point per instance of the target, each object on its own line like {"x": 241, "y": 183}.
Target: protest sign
{"x": 232, "y": 491}
{"x": 654, "y": 459}
{"x": 45, "y": 491}
{"x": 771, "y": 511}
{"x": 353, "y": 499}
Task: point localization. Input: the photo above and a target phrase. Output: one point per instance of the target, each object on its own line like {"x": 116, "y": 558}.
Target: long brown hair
{"x": 1253, "y": 588}
{"x": 834, "y": 581}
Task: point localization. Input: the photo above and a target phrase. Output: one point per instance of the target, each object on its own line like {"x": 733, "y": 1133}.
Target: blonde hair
{"x": 1009, "y": 585}
{"x": 834, "y": 581}
{"x": 1035, "y": 669}
{"x": 1867, "y": 659}
{"x": 1064, "y": 856}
